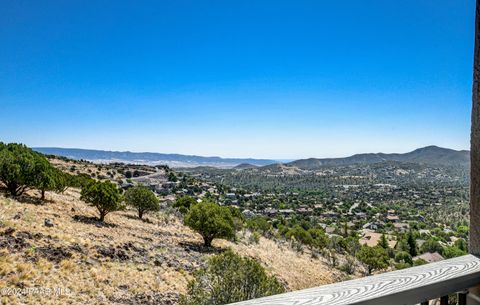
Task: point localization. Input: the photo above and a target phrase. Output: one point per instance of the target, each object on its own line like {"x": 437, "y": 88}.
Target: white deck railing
{"x": 408, "y": 286}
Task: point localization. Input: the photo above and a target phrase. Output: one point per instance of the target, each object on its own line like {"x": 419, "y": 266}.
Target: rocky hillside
{"x": 60, "y": 245}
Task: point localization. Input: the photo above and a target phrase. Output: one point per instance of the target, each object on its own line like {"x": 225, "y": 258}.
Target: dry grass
{"x": 85, "y": 168}
{"x": 95, "y": 279}
{"x": 297, "y": 270}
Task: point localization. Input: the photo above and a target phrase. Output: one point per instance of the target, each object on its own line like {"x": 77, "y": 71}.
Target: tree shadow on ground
{"x": 26, "y": 198}
{"x": 93, "y": 220}
{"x": 200, "y": 248}
{"x": 134, "y": 217}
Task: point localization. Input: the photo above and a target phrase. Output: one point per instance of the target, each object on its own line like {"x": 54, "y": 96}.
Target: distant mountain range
{"x": 173, "y": 160}
{"x": 433, "y": 155}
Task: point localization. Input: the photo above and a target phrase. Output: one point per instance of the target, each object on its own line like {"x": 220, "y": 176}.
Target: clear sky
{"x": 272, "y": 79}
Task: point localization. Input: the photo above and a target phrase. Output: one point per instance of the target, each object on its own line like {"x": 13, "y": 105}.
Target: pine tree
{"x": 412, "y": 244}
{"x": 383, "y": 242}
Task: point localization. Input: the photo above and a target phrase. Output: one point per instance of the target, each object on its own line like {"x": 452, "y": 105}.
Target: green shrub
{"x": 22, "y": 168}
{"x": 431, "y": 245}
{"x": 80, "y": 180}
{"x": 300, "y": 234}
{"x": 229, "y": 278}
{"x": 374, "y": 258}
{"x": 461, "y": 244}
{"x": 143, "y": 199}
{"x": 419, "y": 262}
{"x": 259, "y": 223}
{"x": 17, "y": 167}
{"x": 453, "y": 251}
{"x": 184, "y": 203}
{"x": 402, "y": 265}
{"x": 319, "y": 238}
{"x": 47, "y": 178}
{"x": 172, "y": 177}
{"x": 238, "y": 218}
{"x": 403, "y": 257}
{"x": 254, "y": 238}
{"x": 104, "y": 196}
{"x": 383, "y": 242}
{"x": 211, "y": 221}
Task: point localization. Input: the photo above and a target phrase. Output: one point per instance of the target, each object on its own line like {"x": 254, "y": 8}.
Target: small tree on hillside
{"x": 46, "y": 176}
{"x": 184, "y": 203}
{"x": 17, "y": 168}
{"x": 320, "y": 239}
{"x": 230, "y": 278}
{"x": 211, "y": 221}
{"x": 300, "y": 234}
{"x": 374, "y": 258}
{"x": 104, "y": 196}
{"x": 143, "y": 199}
{"x": 63, "y": 181}
{"x": 258, "y": 223}
{"x": 80, "y": 180}
{"x": 172, "y": 177}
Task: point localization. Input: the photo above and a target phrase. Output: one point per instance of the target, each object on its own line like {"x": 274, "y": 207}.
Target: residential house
{"x": 429, "y": 257}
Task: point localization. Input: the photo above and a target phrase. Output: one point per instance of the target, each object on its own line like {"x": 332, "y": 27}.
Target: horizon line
{"x": 244, "y": 158}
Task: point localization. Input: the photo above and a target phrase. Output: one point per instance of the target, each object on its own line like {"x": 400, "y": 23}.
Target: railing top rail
{"x": 407, "y": 286}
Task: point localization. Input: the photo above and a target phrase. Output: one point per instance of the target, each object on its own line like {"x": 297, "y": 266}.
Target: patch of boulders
{"x": 150, "y": 298}
{"x": 11, "y": 242}
{"x": 113, "y": 253}
{"x": 53, "y": 254}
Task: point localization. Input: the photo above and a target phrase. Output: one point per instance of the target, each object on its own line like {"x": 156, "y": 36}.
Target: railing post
{"x": 462, "y": 298}
{"x": 444, "y": 300}
{"x": 425, "y": 303}
{"x": 474, "y": 246}
{"x": 474, "y": 238}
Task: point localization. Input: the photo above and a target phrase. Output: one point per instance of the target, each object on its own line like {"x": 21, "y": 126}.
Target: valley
{"x": 306, "y": 224}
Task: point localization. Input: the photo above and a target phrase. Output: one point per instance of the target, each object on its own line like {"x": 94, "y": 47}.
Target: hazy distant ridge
{"x": 433, "y": 155}
{"x": 149, "y": 157}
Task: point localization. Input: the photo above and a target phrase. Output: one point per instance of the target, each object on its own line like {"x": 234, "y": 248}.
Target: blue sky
{"x": 271, "y": 79}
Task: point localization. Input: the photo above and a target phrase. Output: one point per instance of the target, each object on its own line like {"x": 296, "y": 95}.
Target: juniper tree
{"x": 184, "y": 203}
{"x": 143, "y": 199}
{"x": 17, "y": 167}
{"x": 211, "y": 221}
{"x": 46, "y": 177}
{"x": 104, "y": 196}
{"x": 230, "y": 278}
{"x": 374, "y": 258}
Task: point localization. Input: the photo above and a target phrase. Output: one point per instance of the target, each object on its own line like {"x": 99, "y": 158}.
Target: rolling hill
{"x": 432, "y": 155}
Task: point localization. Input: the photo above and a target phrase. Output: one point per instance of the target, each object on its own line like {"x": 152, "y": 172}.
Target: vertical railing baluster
{"x": 462, "y": 298}
{"x": 444, "y": 300}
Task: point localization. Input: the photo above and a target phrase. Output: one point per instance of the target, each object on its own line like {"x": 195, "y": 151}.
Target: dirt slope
{"x": 127, "y": 261}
